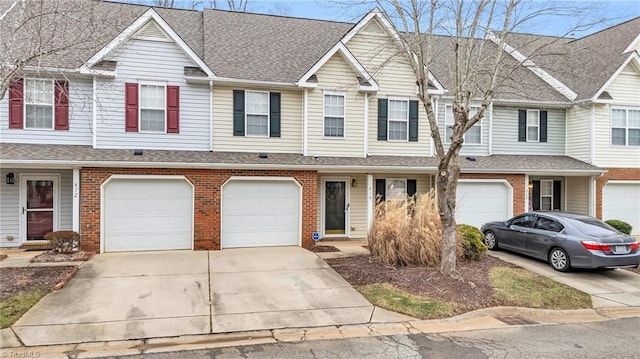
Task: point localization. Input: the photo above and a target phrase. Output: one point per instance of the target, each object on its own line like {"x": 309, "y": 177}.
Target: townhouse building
{"x": 212, "y": 129}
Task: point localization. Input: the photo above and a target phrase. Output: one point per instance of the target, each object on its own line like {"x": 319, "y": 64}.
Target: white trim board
{"x": 633, "y": 56}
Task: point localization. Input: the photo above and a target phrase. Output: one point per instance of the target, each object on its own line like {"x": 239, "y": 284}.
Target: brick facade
{"x": 613, "y": 174}
{"x": 517, "y": 181}
{"x": 207, "y": 183}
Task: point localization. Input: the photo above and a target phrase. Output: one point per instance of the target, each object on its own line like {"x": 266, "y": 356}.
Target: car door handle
{"x": 523, "y": 231}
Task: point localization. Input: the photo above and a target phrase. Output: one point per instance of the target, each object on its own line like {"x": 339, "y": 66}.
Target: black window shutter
{"x": 413, "y": 121}
{"x": 557, "y": 195}
{"x": 411, "y": 187}
{"x": 274, "y": 114}
{"x": 238, "y": 113}
{"x": 536, "y": 195}
{"x": 380, "y": 190}
{"x": 522, "y": 125}
{"x": 543, "y": 126}
{"x": 382, "y": 119}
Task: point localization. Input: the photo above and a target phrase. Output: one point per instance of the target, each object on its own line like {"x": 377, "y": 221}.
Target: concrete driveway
{"x": 163, "y": 294}
{"x": 608, "y": 288}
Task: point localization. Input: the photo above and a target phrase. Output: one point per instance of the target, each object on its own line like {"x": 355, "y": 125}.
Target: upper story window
{"x": 532, "y": 126}
{"x": 152, "y": 108}
{"x": 257, "y": 113}
{"x": 473, "y": 136}
{"x": 38, "y": 100}
{"x": 334, "y": 114}
{"x": 38, "y": 104}
{"x": 625, "y": 127}
{"x": 398, "y": 120}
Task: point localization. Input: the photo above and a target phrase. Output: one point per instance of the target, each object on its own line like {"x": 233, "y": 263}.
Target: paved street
{"x": 608, "y": 339}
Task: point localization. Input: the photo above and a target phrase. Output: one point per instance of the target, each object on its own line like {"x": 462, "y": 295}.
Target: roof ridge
{"x": 280, "y": 16}
{"x": 126, "y": 2}
{"x": 608, "y": 28}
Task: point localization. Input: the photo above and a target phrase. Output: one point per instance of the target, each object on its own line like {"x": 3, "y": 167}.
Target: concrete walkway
{"x": 166, "y": 294}
{"x": 608, "y": 288}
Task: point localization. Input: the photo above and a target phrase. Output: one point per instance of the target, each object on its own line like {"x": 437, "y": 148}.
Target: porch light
{"x": 11, "y": 178}
{"x": 530, "y": 185}
{"x": 354, "y": 183}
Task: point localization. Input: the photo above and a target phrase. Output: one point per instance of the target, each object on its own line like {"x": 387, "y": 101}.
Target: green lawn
{"x": 14, "y": 307}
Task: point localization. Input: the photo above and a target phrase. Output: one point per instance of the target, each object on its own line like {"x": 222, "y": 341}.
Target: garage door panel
{"x": 622, "y": 201}
{"x": 147, "y": 214}
{"x": 482, "y": 202}
{"x": 260, "y": 213}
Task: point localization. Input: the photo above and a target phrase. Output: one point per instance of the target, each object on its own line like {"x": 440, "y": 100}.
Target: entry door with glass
{"x": 39, "y": 206}
{"x": 335, "y": 208}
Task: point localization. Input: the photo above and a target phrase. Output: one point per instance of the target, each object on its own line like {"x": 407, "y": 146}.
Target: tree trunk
{"x": 447, "y": 180}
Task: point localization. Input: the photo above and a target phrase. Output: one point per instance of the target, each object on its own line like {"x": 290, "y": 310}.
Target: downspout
{"x": 491, "y": 129}
{"x": 211, "y": 116}
{"x": 305, "y": 97}
{"x": 432, "y": 146}
{"x": 366, "y": 124}
{"x": 95, "y": 114}
{"x": 592, "y": 136}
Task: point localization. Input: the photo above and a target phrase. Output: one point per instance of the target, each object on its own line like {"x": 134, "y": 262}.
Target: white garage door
{"x": 258, "y": 213}
{"x": 622, "y": 201}
{"x": 482, "y": 202}
{"x": 147, "y": 214}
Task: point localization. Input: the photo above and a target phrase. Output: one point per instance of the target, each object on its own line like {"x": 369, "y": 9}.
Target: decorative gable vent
{"x": 152, "y": 31}
{"x": 373, "y": 27}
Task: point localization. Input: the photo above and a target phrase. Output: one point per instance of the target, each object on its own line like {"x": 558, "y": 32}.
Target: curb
{"x": 66, "y": 279}
{"x": 476, "y": 320}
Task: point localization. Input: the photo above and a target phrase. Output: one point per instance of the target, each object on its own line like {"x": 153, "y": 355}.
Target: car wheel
{"x": 559, "y": 260}
{"x": 490, "y": 240}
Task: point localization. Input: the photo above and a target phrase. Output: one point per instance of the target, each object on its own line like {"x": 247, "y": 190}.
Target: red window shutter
{"x": 131, "y": 107}
{"x": 173, "y": 109}
{"x": 61, "y": 105}
{"x": 16, "y": 103}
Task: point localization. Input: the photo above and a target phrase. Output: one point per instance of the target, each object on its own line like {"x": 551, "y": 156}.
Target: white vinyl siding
{"x": 577, "y": 193}
{"x": 80, "y": 120}
{"x": 389, "y": 66}
{"x": 141, "y": 61}
{"x": 38, "y": 103}
{"x": 334, "y": 121}
{"x": 10, "y": 208}
{"x": 152, "y": 107}
{"x": 624, "y": 88}
{"x": 338, "y": 77}
{"x": 478, "y": 130}
{"x": 256, "y": 113}
{"x": 290, "y": 124}
{"x": 579, "y": 128}
{"x": 505, "y": 133}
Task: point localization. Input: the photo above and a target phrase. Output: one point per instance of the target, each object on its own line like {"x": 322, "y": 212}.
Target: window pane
{"x": 473, "y": 136}
{"x": 618, "y": 118}
{"x": 546, "y": 188}
{"x": 39, "y": 116}
{"x": 257, "y": 102}
{"x": 532, "y": 133}
{"x": 449, "y": 134}
{"x": 257, "y": 125}
{"x": 152, "y": 96}
{"x": 334, "y": 127}
{"x": 618, "y": 136}
{"x": 634, "y": 137}
{"x": 38, "y": 91}
{"x": 533, "y": 118}
{"x": 334, "y": 105}
{"x": 545, "y": 203}
{"x": 448, "y": 115}
{"x": 396, "y": 189}
{"x": 634, "y": 118}
{"x": 397, "y": 131}
{"x": 398, "y": 110}
{"x": 152, "y": 120}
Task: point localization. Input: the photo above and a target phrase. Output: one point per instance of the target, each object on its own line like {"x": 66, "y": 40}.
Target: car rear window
{"x": 593, "y": 227}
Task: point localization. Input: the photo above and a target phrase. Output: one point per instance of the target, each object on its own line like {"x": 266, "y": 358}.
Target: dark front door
{"x": 335, "y": 216}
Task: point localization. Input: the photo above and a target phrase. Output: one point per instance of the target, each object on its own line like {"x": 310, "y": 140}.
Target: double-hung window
{"x": 257, "y": 121}
{"x": 396, "y": 189}
{"x": 152, "y": 108}
{"x": 473, "y": 136}
{"x": 38, "y": 100}
{"x": 546, "y": 195}
{"x": 625, "y": 127}
{"x": 533, "y": 125}
{"x": 398, "y": 120}
{"x": 334, "y": 114}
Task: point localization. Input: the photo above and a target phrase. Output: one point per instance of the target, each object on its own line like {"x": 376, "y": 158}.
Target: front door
{"x": 335, "y": 208}
{"x": 39, "y": 206}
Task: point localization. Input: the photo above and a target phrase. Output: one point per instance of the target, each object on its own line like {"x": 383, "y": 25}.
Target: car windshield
{"x": 593, "y": 227}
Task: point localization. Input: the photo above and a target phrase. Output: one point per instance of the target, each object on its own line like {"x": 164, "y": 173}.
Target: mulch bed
{"x": 53, "y": 257}
{"x": 471, "y": 290}
{"x": 16, "y": 280}
{"x": 321, "y": 248}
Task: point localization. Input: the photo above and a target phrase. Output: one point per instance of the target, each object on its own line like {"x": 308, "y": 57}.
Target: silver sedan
{"x": 565, "y": 240}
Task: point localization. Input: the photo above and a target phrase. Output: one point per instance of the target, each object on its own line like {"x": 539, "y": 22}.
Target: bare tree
{"x": 473, "y": 34}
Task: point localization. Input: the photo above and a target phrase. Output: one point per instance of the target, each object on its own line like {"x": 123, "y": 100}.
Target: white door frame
{"x": 24, "y": 177}
{"x": 347, "y": 198}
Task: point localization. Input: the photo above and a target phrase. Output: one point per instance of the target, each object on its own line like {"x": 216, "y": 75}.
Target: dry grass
{"x": 408, "y": 233}
{"x": 389, "y": 297}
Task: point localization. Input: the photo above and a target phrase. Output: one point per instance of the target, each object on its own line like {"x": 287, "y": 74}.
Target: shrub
{"x": 622, "y": 226}
{"x": 410, "y": 233}
{"x": 63, "y": 241}
{"x": 471, "y": 239}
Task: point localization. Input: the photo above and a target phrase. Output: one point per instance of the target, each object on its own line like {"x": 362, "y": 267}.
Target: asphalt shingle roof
{"x": 12, "y": 153}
